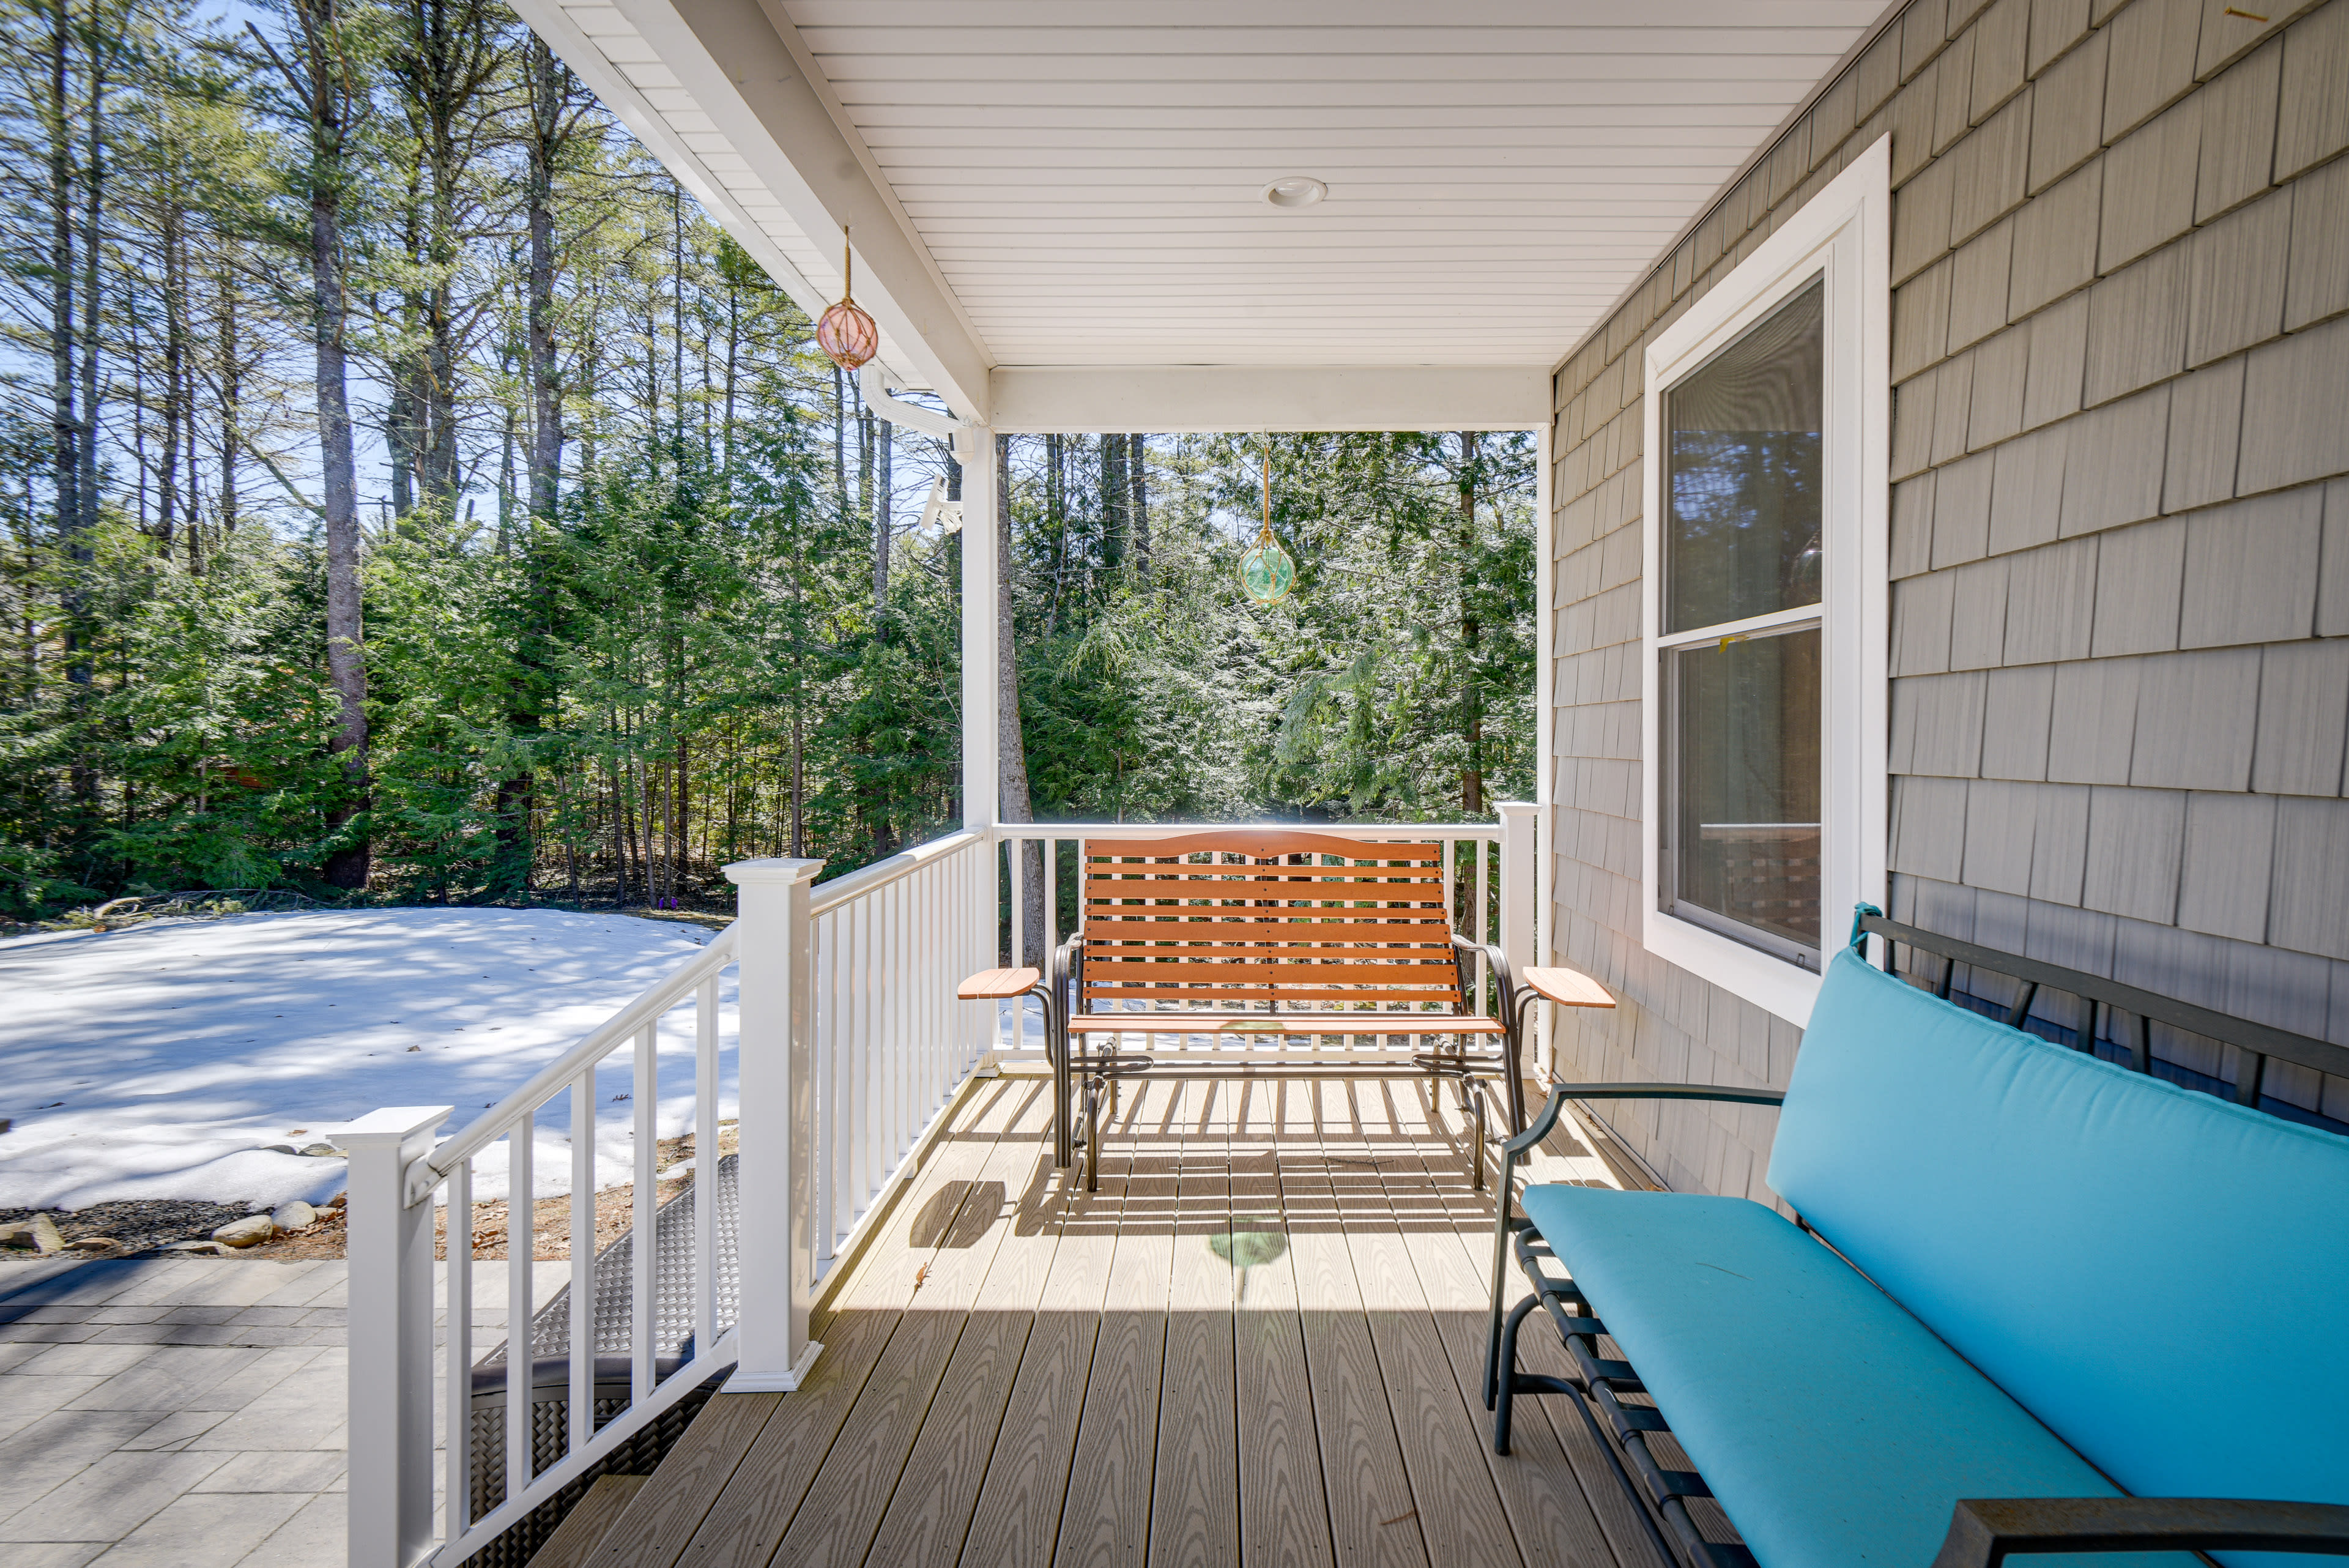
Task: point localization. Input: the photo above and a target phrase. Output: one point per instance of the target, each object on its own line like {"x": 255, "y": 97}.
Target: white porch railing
{"x": 849, "y": 1045}
{"x": 849, "y": 1049}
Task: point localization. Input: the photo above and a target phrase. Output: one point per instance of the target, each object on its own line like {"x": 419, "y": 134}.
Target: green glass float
{"x": 1266, "y": 572}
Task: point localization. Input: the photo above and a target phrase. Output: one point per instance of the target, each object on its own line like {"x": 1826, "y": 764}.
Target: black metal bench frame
{"x": 1982, "y": 1532}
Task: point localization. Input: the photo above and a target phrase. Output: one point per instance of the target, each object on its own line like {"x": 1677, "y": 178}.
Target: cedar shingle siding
{"x": 2120, "y": 534}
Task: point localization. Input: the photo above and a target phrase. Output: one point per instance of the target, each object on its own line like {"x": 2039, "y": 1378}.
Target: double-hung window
{"x": 1767, "y": 422}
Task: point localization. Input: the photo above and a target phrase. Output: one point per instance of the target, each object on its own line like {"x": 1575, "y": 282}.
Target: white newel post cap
{"x": 782, "y": 869}
{"x": 394, "y": 1125}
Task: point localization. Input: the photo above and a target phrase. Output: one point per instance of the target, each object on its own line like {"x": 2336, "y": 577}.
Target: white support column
{"x": 981, "y": 530}
{"x": 775, "y": 1068}
{"x": 1546, "y": 712}
{"x": 1518, "y": 871}
{"x": 389, "y": 1249}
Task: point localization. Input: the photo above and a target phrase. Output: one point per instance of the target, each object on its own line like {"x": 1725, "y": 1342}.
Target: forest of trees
{"x": 408, "y": 491}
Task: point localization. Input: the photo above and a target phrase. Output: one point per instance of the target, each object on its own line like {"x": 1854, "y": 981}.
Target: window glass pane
{"x": 1742, "y": 535}
{"x": 1745, "y": 782}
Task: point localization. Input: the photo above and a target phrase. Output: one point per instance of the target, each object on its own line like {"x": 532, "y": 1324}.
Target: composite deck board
{"x": 844, "y": 1507}
{"x": 1261, "y": 1342}
{"x": 1018, "y": 1519}
{"x": 1550, "y": 1517}
{"x": 1106, "y": 1517}
{"x": 1373, "y": 1518}
{"x": 747, "y": 1523}
{"x": 664, "y": 1514}
{"x": 1195, "y": 1496}
{"x": 929, "y": 1515}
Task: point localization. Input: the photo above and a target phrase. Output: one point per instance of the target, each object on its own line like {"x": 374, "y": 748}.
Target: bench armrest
{"x": 1567, "y": 987}
{"x": 1561, "y": 1093}
{"x": 994, "y": 984}
{"x": 1984, "y": 1530}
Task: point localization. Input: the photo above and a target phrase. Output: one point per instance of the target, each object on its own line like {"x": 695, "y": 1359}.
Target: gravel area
{"x": 140, "y": 1227}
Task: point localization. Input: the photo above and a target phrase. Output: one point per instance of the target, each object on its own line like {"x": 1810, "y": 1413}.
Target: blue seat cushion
{"x": 1834, "y": 1428}
{"x": 2158, "y": 1275}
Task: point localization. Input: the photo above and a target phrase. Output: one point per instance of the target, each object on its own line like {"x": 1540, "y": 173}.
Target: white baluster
{"x": 522, "y": 1216}
{"x": 705, "y": 1166}
{"x": 645, "y": 1251}
{"x": 389, "y": 1247}
{"x": 457, "y": 1486}
{"x": 581, "y": 1411}
{"x": 1484, "y": 922}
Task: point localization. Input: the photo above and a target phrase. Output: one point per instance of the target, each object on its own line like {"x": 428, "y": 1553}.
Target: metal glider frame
{"x": 1085, "y": 1081}
{"x": 1983, "y": 1531}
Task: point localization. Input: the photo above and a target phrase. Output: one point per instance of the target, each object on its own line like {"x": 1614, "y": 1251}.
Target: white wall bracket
{"x": 874, "y": 385}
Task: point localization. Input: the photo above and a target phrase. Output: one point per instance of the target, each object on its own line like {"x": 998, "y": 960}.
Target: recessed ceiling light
{"x": 1295, "y": 191}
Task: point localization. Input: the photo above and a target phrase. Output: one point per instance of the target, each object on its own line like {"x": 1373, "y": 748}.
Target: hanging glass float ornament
{"x": 846, "y": 334}
{"x": 1267, "y": 573}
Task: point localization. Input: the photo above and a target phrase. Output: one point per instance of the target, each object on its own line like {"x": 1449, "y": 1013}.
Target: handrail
{"x": 1381, "y": 831}
{"x": 830, "y": 895}
{"x": 426, "y": 1172}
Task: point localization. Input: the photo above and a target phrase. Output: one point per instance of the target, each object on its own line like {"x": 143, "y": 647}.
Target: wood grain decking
{"x": 1261, "y": 1342}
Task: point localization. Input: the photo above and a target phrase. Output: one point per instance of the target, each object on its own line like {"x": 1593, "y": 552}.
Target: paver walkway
{"x": 179, "y": 1412}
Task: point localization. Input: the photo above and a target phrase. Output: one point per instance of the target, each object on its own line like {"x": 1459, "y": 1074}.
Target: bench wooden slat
{"x": 1282, "y": 967}
{"x": 1157, "y": 948}
{"x": 1257, "y": 843}
{"x": 1256, "y": 890}
{"x": 1258, "y": 934}
{"x": 1281, "y": 1024}
{"x": 1244, "y": 993}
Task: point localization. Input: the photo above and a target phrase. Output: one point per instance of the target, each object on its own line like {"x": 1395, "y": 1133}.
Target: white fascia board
{"x": 1173, "y": 398}
{"x": 762, "y": 102}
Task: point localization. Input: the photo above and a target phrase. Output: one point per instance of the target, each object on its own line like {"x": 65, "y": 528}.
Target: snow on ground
{"x": 159, "y": 1062}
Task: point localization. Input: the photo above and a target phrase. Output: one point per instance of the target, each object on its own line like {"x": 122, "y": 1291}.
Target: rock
{"x": 38, "y": 1234}
{"x": 322, "y": 1151}
{"x": 279, "y": 1148}
{"x": 294, "y": 1216}
{"x": 99, "y": 1246}
{"x": 249, "y": 1231}
{"x": 338, "y": 1200}
{"x": 199, "y": 1249}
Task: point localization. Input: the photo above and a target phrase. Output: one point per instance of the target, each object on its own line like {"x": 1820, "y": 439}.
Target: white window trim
{"x": 1846, "y": 231}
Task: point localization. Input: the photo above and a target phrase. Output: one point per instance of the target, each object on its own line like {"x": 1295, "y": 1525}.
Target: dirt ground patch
{"x": 493, "y": 1222}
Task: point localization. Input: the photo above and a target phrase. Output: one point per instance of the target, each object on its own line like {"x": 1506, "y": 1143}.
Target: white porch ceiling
{"x": 1077, "y": 182}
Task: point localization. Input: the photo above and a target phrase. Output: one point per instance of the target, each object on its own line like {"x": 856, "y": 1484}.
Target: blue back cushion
{"x": 2158, "y": 1275}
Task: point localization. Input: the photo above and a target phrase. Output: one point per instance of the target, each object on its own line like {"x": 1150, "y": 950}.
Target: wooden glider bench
{"x": 1266, "y": 937}
{"x": 2062, "y": 1306}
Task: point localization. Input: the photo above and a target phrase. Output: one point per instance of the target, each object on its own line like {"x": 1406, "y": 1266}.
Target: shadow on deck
{"x": 1261, "y": 1342}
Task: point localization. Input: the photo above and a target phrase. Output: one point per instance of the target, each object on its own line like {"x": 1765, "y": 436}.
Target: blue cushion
{"x": 1832, "y": 1427}
{"x": 2158, "y": 1275}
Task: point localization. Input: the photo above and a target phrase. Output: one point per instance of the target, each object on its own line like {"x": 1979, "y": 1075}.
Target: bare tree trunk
{"x": 840, "y": 441}
{"x": 65, "y": 425}
{"x": 323, "y": 81}
{"x": 1137, "y": 473}
{"x": 1112, "y": 501}
{"x": 232, "y": 394}
{"x": 175, "y": 380}
{"x": 1056, "y": 515}
{"x": 885, "y": 439}
{"x": 551, "y": 105}
{"x": 1011, "y": 746}
{"x": 93, "y": 205}
{"x": 1472, "y": 777}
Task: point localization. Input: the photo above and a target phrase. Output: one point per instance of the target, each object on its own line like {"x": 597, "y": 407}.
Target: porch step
{"x": 584, "y": 1529}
